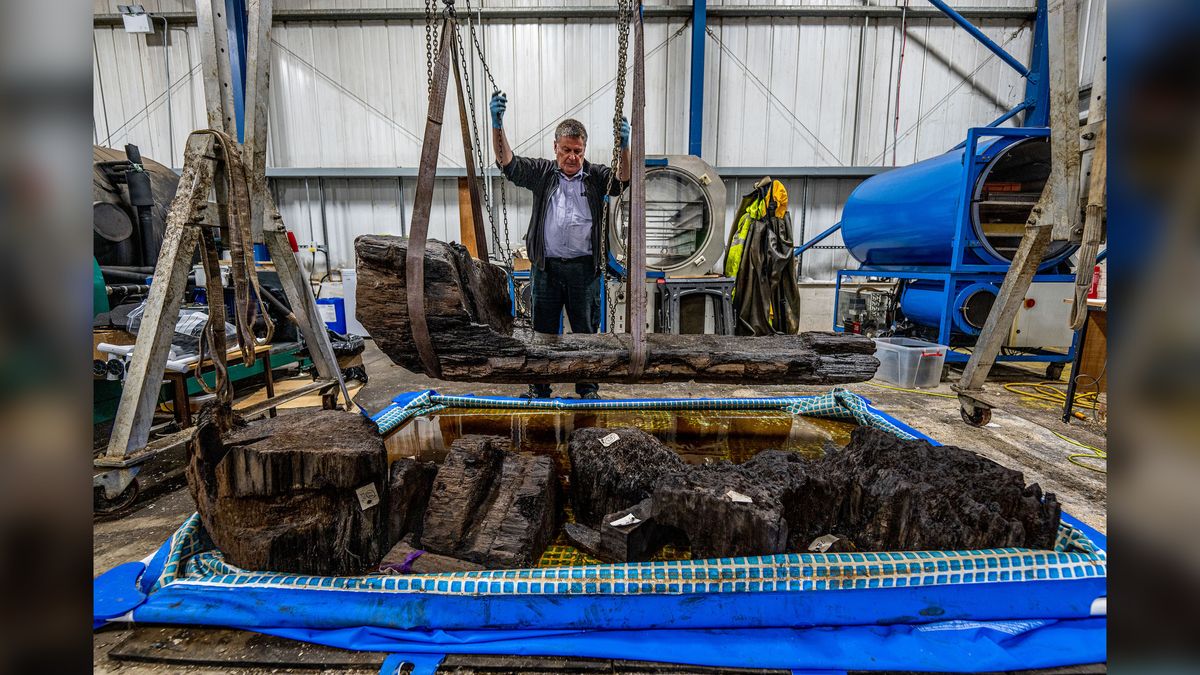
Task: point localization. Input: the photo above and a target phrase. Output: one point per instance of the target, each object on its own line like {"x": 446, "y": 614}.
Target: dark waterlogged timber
{"x": 305, "y": 494}
{"x": 882, "y": 493}
{"x": 471, "y": 327}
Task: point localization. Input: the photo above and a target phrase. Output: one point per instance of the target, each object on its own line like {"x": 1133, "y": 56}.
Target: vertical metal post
{"x": 252, "y": 118}
{"x": 696, "y": 99}
{"x": 1037, "y": 83}
{"x": 635, "y": 306}
{"x": 236, "y": 24}
{"x": 215, "y": 67}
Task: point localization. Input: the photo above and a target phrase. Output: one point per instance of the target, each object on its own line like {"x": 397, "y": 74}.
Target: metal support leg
{"x": 975, "y": 411}
{"x": 1054, "y": 216}
{"x": 143, "y": 379}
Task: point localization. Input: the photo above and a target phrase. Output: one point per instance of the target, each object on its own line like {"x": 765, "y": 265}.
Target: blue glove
{"x": 498, "y": 105}
{"x": 625, "y": 130}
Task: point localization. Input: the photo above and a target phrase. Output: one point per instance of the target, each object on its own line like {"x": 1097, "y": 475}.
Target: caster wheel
{"x": 976, "y": 416}
{"x": 103, "y": 504}
{"x": 1054, "y": 371}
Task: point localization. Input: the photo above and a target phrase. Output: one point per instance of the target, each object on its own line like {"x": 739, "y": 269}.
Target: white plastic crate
{"x": 909, "y": 363}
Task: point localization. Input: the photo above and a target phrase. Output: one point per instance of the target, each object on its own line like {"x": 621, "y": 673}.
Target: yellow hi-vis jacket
{"x": 752, "y": 208}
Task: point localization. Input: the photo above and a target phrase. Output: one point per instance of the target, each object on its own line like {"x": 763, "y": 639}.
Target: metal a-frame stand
{"x": 1056, "y": 216}
{"x": 193, "y": 217}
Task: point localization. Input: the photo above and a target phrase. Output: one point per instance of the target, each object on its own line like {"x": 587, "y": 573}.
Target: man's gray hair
{"x": 570, "y": 127}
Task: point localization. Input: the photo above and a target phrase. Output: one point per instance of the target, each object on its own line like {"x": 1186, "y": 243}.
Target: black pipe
{"x": 122, "y": 275}
{"x": 278, "y": 304}
{"x": 127, "y": 268}
{"x": 127, "y": 289}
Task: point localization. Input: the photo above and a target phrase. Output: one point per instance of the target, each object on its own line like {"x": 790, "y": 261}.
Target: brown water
{"x": 698, "y": 437}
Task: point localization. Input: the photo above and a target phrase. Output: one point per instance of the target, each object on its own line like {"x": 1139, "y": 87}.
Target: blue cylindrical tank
{"x": 921, "y": 302}
{"x": 907, "y": 217}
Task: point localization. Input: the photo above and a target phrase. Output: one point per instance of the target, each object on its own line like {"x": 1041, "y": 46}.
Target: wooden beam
{"x": 466, "y": 222}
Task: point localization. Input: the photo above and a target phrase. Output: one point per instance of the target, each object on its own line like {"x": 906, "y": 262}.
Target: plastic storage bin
{"x": 908, "y": 362}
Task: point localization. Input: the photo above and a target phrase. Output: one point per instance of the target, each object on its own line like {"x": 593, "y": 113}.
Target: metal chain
{"x": 503, "y": 246}
{"x": 474, "y": 133}
{"x": 624, "y": 18}
{"x": 430, "y": 38}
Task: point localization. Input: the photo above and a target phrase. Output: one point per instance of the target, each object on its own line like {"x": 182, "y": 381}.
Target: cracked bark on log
{"x": 470, "y": 324}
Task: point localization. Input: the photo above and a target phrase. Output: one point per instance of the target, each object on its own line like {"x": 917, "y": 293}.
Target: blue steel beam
{"x": 239, "y": 39}
{"x": 816, "y": 240}
{"x": 696, "y": 105}
{"x": 1037, "y": 83}
{"x": 1023, "y": 105}
{"x": 979, "y": 35}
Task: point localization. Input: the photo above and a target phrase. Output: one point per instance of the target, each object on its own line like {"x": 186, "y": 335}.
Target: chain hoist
{"x": 624, "y": 18}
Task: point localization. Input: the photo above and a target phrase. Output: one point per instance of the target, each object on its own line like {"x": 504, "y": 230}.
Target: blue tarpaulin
{"x": 952, "y": 611}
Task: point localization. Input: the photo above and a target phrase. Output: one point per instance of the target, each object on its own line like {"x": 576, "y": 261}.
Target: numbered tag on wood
{"x": 368, "y": 496}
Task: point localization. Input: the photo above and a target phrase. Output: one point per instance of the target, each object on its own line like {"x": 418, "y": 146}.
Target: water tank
{"x": 907, "y": 217}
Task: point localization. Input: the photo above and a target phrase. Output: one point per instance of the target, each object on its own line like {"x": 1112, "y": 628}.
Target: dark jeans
{"x": 572, "y": 283}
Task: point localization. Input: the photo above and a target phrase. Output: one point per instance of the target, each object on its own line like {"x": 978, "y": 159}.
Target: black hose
{"x": 127, "y": 268}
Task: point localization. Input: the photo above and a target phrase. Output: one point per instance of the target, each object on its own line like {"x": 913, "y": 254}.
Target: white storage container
{"x": 908, "y": 362}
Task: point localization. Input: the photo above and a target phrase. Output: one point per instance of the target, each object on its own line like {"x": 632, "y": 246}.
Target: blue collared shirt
{"x": 568, "y": 219}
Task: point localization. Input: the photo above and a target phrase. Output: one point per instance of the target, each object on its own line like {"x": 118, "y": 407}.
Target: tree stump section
{"x": 303, "y": 494}
{"x": 470, "y": 323}
{"x": 491, "y": 506}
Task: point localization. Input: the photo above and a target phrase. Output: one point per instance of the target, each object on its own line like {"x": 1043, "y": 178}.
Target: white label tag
{"x": 328, "y": 313}
{"x": 738, "y": 497}
{"x": 368, "y": 496}
{"x": 628, "y": 519}
{"x": 609, "y": 440}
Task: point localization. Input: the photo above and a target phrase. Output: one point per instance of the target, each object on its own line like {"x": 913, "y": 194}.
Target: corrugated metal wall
{"x": 779, "y": 92}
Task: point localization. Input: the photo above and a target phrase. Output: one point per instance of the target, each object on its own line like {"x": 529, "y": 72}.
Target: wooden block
{"x": 490, "y": 506}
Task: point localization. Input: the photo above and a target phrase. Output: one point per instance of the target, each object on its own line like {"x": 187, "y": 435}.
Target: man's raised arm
{"x": 497, "y": 106}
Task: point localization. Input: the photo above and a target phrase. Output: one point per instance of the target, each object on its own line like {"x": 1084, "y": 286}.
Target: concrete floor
{"x": 1021, "y": 436}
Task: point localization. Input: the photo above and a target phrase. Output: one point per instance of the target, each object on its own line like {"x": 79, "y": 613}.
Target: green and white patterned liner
{"x": 193, "y": 559}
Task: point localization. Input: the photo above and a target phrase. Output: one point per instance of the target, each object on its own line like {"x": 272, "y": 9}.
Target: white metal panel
{"x": 130, "y": 94}
{"x": 823, "y": 209}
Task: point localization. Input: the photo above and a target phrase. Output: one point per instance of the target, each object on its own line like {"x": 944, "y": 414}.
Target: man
{"x": 566, "y": 242}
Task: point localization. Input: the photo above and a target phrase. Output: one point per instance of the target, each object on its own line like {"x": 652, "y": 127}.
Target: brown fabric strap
{"x": 414, "y": 264}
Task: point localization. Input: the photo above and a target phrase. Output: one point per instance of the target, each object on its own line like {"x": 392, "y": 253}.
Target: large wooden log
{"x": 470, "y": 323}
{"x": 305, "y": 494}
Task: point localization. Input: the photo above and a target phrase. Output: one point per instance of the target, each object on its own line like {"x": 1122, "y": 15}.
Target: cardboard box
{"x": 112, "y": 336}
{"x": 521, "y": 264}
